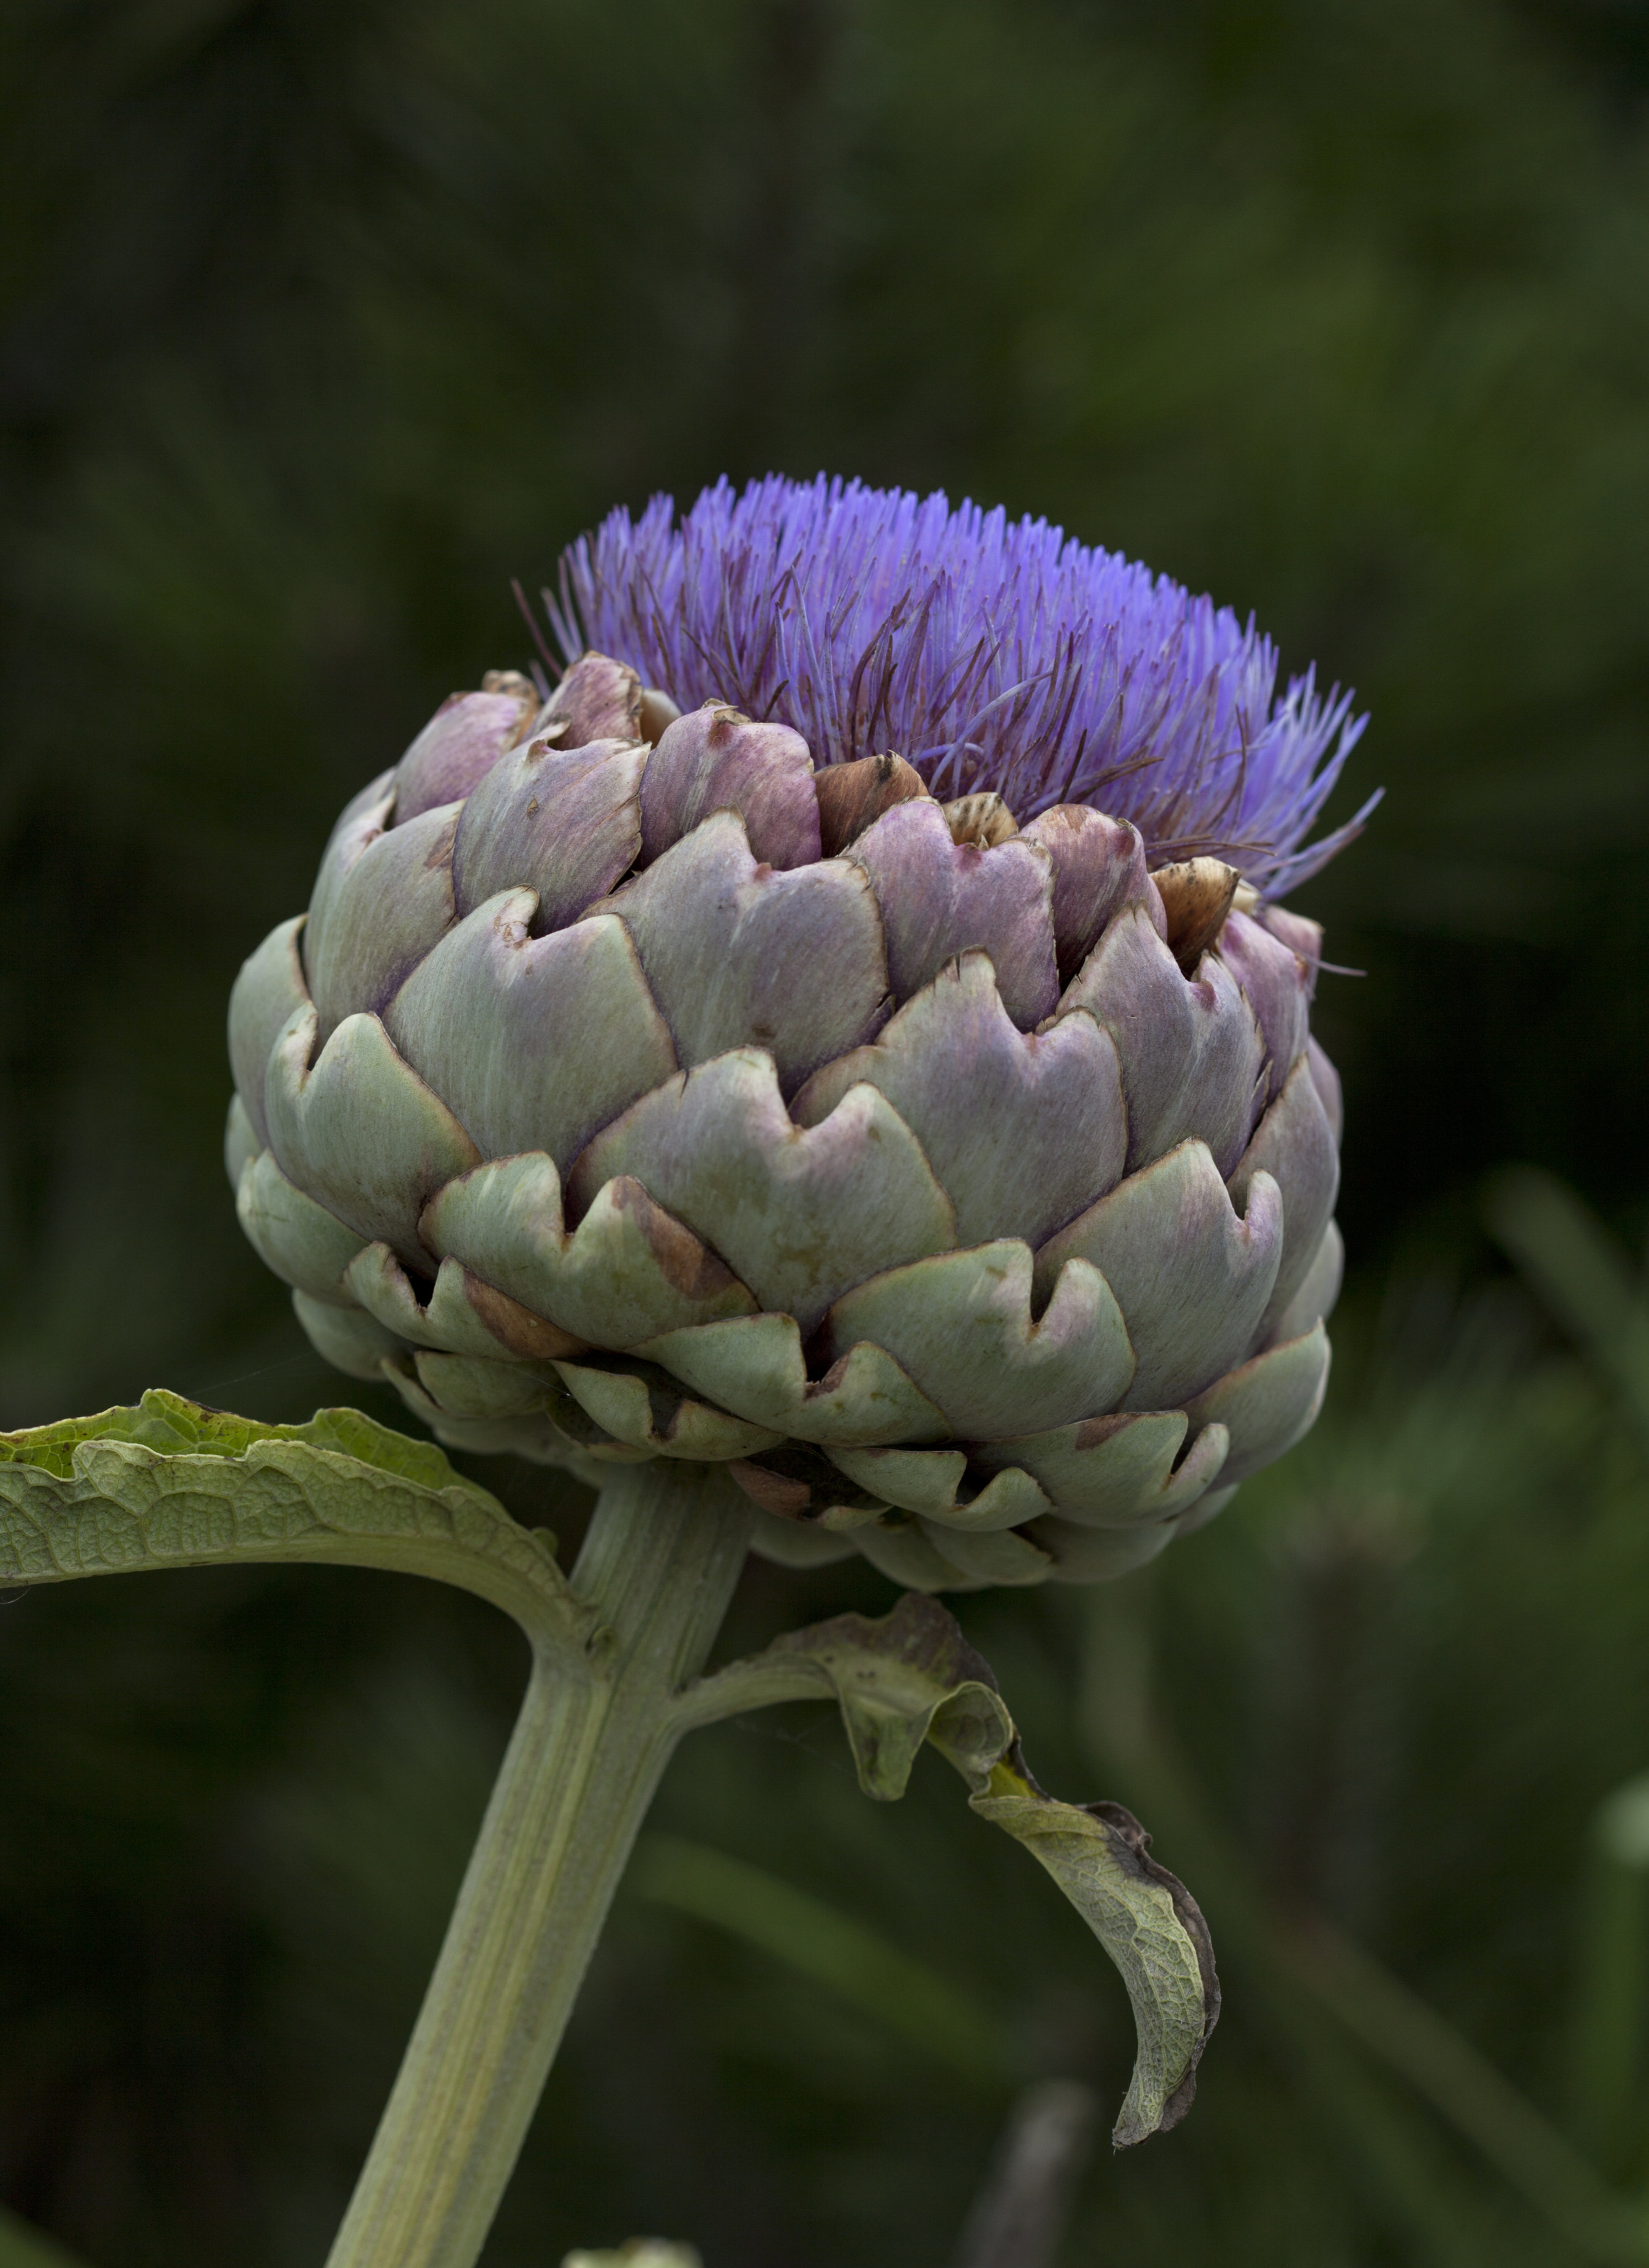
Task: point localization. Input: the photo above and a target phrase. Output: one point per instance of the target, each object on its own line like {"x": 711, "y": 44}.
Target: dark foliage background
{"x": 320, "y": 323}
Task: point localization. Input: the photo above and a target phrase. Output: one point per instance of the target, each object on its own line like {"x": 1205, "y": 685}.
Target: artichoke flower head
{"x": 844, "y": 1029}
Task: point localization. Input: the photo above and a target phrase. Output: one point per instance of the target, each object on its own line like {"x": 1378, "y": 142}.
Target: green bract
{"x": 633, "y": 1090}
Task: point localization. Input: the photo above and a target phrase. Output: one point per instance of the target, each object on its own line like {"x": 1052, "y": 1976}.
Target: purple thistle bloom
{"x": 992, "y": 653}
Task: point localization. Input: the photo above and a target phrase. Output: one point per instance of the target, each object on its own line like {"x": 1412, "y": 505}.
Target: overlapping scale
{"x": 481, "y": 1386}
{"x": 800, "y": 1214}
{"x": 1115, "y": 1472}
{"x": 356, "y": 1129}
{"x": 460, "y": 744}
{"x": 961, "y": 1325}
{"x": 1006, "y": 1556}
{"x": 648, "y": 1411}
{"x": 1326, "y": 1079}
{"x": 1023, "y": 1130}
{"x": 462, "y": 1314}
{"x": 936, "y": 1483}
{"x": 1267, "y": 1404}
{"x": 545, "y": 1438}
{"x": 607, "y": 1116}
{"x": 1277, "y": 985}
{"x": 380, "y": 901}
{"x": 241, "y": 1141}
{"x": 755, "y": 1366}
{"x": 1099, "y": 1555}
{"x": 1098, "y": 867}
{"x": 628, "y": 1272}
{"x": 302, "y": 1243}
{"x": 270, "y": 990}
{"x": 563, "y": 823}
{"x": 1189, "y": 1047}
{"x": 597, "y": 699}
{"x": 1188, "y": 1322}
{"x": 535, "y": 1041}
{"x": 717, "y": 760}
{"x": 350, "y": 1339}
{"x": 1313, "y": 1302}
{"x": 742, "y": 954}
{"x": 1294, "y": 1144}
{"x": 940, "y": 898}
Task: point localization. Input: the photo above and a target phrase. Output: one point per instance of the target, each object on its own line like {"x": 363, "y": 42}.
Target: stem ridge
{"x": 597, "y": 1726}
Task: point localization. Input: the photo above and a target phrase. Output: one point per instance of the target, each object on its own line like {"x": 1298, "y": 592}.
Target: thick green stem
{"x": 595, "y": 1732}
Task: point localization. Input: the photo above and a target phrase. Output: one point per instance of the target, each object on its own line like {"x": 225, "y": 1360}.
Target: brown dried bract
{"x": 852, "y": 795}
{"x": 522, "y": 690}
{"x": 983, "y": 819}
{"x": 1197, "y": 897}
{"x": 796, "y": 1481}
{"x": 684, "y": 1263}
{"x": 775, "y": 1493}
{"x": 517, "y": 1328}
{"x": 657, "y": 711}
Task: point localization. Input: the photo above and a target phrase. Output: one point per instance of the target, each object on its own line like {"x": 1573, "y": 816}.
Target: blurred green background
{"x": 320, "y": 322}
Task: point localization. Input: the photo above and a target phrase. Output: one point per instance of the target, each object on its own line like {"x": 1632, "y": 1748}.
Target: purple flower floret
{"x": 992, "y": 653}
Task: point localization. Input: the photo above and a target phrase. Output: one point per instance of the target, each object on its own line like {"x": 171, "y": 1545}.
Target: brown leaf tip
{"x": 983, "y": 818}
{"x": 1197, "y": 895}
{"x": 797, "y": 1481}
{"x": 519, "y": 689}
{"x": 775, "y": 1493}
{"x": 853, "y": 796}
{"x": 657, "y": 711}
{"x": 1132, "y": 1844}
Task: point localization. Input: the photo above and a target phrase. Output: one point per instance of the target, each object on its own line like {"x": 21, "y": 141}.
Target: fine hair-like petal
{"x": 992, "y": 653}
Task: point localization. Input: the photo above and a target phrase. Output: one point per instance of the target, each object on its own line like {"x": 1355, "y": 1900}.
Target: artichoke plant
{"x": 832, "y": 1071}
{"x": 842, "y": 1032}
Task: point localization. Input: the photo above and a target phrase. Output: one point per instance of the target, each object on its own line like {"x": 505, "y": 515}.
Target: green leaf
{"x": 165, "y": 1421}
{"x": 170, "y": 1484}
{"x": 913, "y": 1677}
{"x": 908, "y": 1678}
{"x": 1147, "y": 1921}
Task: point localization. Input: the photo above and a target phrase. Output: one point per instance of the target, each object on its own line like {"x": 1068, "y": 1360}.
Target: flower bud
{"x": 652, "y": 1077}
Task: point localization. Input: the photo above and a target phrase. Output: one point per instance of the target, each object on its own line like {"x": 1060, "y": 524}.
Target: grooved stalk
{"x": 662, "y": 1556}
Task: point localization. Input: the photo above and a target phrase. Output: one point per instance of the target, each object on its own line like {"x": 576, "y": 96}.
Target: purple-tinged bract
{"x": 663, "y": 1076}
{"x": 992, "y": 653}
